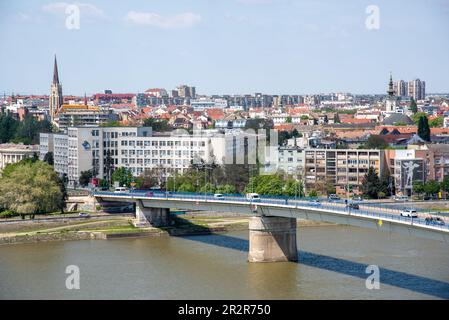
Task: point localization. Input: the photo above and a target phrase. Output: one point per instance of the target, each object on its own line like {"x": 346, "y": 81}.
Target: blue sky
{"x": 224, "y": 46}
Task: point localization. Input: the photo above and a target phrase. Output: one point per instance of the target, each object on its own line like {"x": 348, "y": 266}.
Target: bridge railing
{"x": 375, "y": 211}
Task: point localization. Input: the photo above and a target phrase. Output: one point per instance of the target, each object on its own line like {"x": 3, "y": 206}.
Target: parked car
{"x": 315, "y": 202}
{"x": 218, "y": 196}
{"x": 357, "y": 198}
{"x": 84, "y": 215}
{"x": 400, "y": 198}
{"x": 252, "y": 196}
{"x": 354, "y": 206}
{"x": 409, "y": 213}
{"x": 333, "y": 196}
{"x": 120, "y": 190}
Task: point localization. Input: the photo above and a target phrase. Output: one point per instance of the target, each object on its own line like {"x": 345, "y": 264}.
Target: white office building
{"x": 137, "y": 148}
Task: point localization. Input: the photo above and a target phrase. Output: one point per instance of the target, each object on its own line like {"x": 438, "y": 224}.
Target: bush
{"x": 7, "y": 214}
{"x": 313, "y": 194}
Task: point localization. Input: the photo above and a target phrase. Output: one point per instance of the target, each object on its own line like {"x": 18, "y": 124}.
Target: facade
{"x": 400, "y": 88}
{"x": 103, "y": 149}
{"x": 343, "y": 168}
{"x": 79, "y": 115}
{"x": 291, "y": 160}
{"x": 12, "y": 153}
{"x": 417, "y": 89}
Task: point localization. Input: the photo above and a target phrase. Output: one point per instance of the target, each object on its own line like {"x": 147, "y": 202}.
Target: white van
{"x": 121, "y": 190}
{"x": 252, "y": 196}
{"x": 409, "y": 213}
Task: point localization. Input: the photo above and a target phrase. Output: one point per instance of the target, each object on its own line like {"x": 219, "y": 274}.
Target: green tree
{"x": 336, "y": 118}
{"x": 85, "y": 177}
{"x": 418, "y": 187}
{"x": 31, "y": 188}
{"x": 49, "y": 158}
{"x": 445, "y": 184}
{"x": 418, "y": 116}
{"x": 313, "y": 194}
{"x": 123, "y": 176}
{"x": 8, "y": 127}
{"x": 371, "y": 184}
{"x": 436, "y": 122}
{"x": 413, "y": 107}
{"x": 375, "y": 142}
{"x": 423, "y": 128}
{"x": 158, "y": 125}
{"x": 431, "y": 187}
{"x": 288, "y": 119}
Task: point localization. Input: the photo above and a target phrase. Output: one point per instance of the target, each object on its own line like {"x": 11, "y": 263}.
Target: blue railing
{"x": 378, "y": 211}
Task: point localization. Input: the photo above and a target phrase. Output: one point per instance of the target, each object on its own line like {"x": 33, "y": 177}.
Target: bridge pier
{"x": 272, "y": 239}
{"x": 146, "y": 217}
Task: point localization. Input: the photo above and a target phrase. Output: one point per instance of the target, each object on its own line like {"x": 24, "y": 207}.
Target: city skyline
{"x": 232, "y": 47}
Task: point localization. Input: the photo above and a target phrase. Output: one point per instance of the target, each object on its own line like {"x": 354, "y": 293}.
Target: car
{"x": 314, "y": 202}
{"x": 409, "y": 213}
{"x": 354, "y": 206}
{"x": 357, "y": 198}
{"x": 218, "y": 196}
{"x": 149, "y": 194}
{"x": 84, "y": 215}
{"x": 120, "y": 190}
{"x": 333, "y": 196}
{"x": 400, "y": 198}
{"x": 435, "y": 220}
{"x": 252, "y": 196}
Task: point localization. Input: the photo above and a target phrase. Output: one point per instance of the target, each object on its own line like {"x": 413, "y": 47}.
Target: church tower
{"x": 390, "y": 103}
{"x": 56, "y": 98}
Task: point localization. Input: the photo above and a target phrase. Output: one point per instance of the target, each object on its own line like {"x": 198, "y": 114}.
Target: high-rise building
{"x": 56, "y": 99}
{"x": 400, "y": 88}
{"x": 417, "y": 89}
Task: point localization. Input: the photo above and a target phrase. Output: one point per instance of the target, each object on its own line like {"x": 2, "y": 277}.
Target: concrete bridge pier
{"x": 272, "y": 239}
{"x": 155, "y": 217}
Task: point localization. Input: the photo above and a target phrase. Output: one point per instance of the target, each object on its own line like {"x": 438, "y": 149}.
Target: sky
{"x": 223, "y": 46}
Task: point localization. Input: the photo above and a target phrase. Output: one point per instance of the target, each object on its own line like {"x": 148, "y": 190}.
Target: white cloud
{"x": 183, "y": 20}
{"x": 87, "y": 9}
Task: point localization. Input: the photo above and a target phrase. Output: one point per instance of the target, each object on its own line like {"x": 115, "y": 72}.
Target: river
{"x": 332, "y": 265}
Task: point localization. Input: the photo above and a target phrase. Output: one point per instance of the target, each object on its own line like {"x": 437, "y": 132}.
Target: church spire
{"x": 390, "y": 86}
{"x": 55, "y": 72}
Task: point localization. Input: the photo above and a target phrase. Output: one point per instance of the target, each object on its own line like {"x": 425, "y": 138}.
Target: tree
{"x": 336, "y": 118}
{"x": 85, "y": 177}
{"x": 49, "y": 158}
{"x": 8, "y": 127}
{"x": 436, "y": 122}
{"x": 413, "y": 107}
{"x": 31, "y": 188}
{"x": 371, "y": 184}
{"x": 123, "y": 176}
{"x": 418, "y": 187}
{"x": 288, "y": 119}
{"x": 158, "y": 125}
{"x": 418, "y": 116}
{"x": 431, "y": 187}
{"x": 375, "y": 142}
{"x": 445, "y": 184}
{"x": 423, "y": 128}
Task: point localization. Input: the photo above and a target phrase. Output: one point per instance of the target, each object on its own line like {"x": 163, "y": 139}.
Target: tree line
{"x": 24, "y": 131}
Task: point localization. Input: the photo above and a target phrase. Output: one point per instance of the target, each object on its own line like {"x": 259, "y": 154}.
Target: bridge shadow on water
{"x": 419, "y": 284}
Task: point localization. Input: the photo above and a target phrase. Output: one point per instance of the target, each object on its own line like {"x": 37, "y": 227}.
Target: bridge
{"x": 272, "y": 225}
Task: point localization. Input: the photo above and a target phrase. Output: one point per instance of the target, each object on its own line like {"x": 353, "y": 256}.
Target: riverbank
{"x": 112, "y": 227}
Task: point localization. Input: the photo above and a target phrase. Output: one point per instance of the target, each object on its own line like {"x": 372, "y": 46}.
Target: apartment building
{"x": 343, "y": 168}
{"x": 103, "y": 149}
{"x": 78, "y": 115}
{"x": 291, "y": 160}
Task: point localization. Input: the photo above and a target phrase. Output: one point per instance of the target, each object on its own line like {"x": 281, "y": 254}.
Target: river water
{"x": 332, "y": 265}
